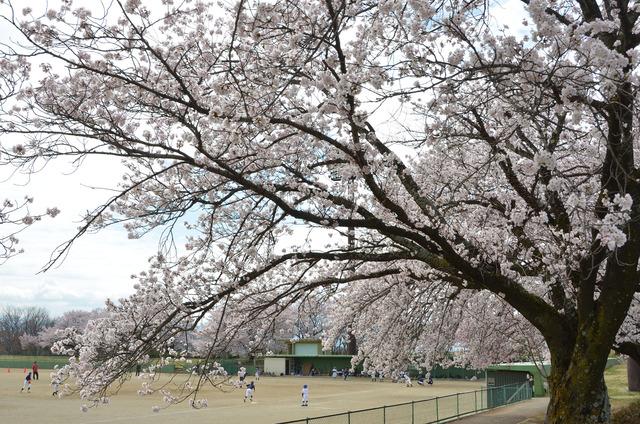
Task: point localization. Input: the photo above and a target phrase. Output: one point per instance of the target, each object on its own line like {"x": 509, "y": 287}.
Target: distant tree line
{"x": 32, "y": 330}
{"x": 17, "y": 321}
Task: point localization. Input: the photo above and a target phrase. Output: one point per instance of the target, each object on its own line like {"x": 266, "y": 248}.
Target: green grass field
{"x": 276, "y": 399}
{"x": 616, "y": 379}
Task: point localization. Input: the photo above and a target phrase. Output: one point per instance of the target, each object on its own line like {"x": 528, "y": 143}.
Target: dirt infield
{"x": 276, "y": 399}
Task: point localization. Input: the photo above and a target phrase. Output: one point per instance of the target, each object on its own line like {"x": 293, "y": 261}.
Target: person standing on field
{"x": 407, "y": 380}
{"x": 27, "y": 383}
{"x": 55, "y": 386}
{"x": 242, "y": 372}
{"x": 305, "y": 395}
{"x": 34, "y": 369}
{"x": 248, "y": 394}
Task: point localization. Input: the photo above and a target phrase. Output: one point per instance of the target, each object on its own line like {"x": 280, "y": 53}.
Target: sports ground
{"x": 276, "y": 399}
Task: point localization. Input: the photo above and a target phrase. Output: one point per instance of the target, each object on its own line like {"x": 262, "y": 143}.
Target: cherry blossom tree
{"x": 15, "y": 217}
{"x": 15, "y": 214}
{"x": 8, "y": 218}
{"x": 298, "y": 321}
{"x": 411, "y": 158}
{"x": 409, "y": 326}
{"x": 74, "y": 321}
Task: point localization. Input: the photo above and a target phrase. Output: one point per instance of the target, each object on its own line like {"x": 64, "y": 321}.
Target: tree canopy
{"x": 437, "y": 174}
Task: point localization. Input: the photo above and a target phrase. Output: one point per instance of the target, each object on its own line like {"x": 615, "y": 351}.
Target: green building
{"x": 302, "y": 356}
{"x": 519, "y": 373}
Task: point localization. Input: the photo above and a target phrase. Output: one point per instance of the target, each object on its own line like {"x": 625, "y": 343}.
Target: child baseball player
{"x": 305, "y": 395}
{"x": 242, "y": 372}
{"x": 407, "y": 380}
{"x": 27, "y": 383}
{"x": 55, "y": 386}
{"x": 248, "y": 394}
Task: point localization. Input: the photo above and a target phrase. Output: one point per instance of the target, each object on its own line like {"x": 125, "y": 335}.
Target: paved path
{"x": 528, "y": 412}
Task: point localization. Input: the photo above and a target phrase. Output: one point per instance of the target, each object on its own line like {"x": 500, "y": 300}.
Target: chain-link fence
{"x": 429, "y": 411}
{"x": 49, "y": 362}
{"x": 44, "y": 362}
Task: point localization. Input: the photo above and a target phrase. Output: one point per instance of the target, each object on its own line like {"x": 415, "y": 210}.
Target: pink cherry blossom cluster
{"x": 449, "y": 188}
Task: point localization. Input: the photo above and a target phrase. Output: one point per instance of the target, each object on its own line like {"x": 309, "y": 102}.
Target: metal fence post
{"x": 437, "y": 411}
{"x": 475, "y": 400}
{"x": 457, "y": 404}
{"x": 384, "y": 414}
{"x": 412, "y": 413}
{"x": 348, "y": 417}
{"x": 307, "y": 420}
{"x": 504, "y": 395}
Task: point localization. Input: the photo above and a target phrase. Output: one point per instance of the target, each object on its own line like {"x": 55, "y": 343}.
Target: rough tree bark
{"x": 577, "y": 388}
{"x": 633, "y": 375}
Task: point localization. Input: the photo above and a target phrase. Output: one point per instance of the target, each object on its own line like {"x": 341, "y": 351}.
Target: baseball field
{"x": 275, "y": 399}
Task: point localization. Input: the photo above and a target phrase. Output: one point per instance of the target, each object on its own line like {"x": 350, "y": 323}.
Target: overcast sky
{"x": 98, "y": 266}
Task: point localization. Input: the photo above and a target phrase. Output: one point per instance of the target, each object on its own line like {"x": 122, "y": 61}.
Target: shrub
{"x": 630, "y": 414}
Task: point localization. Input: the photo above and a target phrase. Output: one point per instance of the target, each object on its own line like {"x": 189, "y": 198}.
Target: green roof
{"x": 288, "y": 355}
{"x": 309, "y": 341}
{"x": 520, "y": 366}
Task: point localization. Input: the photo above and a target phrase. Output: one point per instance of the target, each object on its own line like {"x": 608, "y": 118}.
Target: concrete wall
{"x": 274, "y": 365}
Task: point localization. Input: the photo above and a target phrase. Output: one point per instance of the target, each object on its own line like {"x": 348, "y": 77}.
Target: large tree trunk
{"x": 633, "y": 375}
{"x": 575, "y": 399}
{"x": 352, "y": 346}
{"x": 577, "y": 388}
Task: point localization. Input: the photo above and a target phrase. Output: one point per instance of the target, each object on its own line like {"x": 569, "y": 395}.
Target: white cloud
{"x": 510, "y": 13}
{"x": 97, "y": 267}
